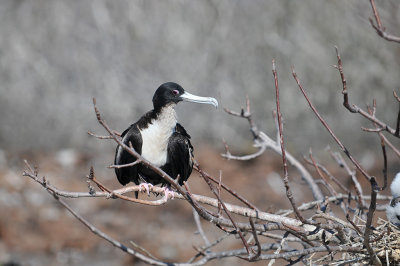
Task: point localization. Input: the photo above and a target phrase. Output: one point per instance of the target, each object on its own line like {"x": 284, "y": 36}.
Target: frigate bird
{"x": 393, "y": 209}
{"x": 160, "y": 139}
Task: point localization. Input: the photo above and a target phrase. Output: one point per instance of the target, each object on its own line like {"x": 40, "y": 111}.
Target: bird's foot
{"x": 146, "y": 187}
{"x": 167, "y": 193}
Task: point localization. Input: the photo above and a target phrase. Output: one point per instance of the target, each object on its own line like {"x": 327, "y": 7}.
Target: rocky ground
{"x": 36, "y": 230}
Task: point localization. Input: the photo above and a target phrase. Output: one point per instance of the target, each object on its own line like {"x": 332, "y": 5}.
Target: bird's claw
{"x": 167, "y": 193}
{"x": 146, "y": 186}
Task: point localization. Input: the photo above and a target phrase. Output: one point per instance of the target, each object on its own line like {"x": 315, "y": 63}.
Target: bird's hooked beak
{"x": 188, "y": 97}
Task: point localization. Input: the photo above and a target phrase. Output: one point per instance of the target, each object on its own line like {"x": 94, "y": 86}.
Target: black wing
{"x": 127, "y": 174}
{"x": 180, "y": 153}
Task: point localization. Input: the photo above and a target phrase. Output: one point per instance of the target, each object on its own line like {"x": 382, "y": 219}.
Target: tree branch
{"x": 380, "y": 30}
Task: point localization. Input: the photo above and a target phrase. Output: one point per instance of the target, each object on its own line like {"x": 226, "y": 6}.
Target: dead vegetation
{"x": 338, "y": 227}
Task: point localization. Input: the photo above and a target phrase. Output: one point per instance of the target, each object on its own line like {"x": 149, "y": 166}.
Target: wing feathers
{"x": 180, "y": 153}
{"x": 179, "y": 158}
{"x": 127, "y": 174}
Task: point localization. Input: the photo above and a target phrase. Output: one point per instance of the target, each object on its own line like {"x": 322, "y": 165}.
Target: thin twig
{"x": 344, "y": 149}
{"x": 380, "y": 30}
{"x": 219, "y": 192}
{"x": 213, "y": 190}
{"x": 263, "y": 139}
{"x": 285, "y": 167}
{"x": 229, "y": 190}
{"x": 199, "y": 227}
{"x": 208, "y": 256}
{"x": 357, "y": 186}
{"x": 394, "y": 149}
{"x": 258, "y": 253}
{"x": 143, "y": 250}
{"x": 374, "y": 188}
{"x": 329, "y": 186}
{"x": 372, "y": 111}
{"x": 145, "y": 202}
{"x": 354, "y": 108}
{"x": 261, "y": 149}
{"x": 384, "y": 171}
{"x": 125, "y": 165}
{"x": 98, "y": 136}
{"x": 329, "y": 174}
{"x": 339, "y": 67}
{"x": 101, "y": 234}
{"x": 202, "y": 250}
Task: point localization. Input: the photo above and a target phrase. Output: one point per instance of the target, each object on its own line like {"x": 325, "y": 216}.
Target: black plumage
{"x": 160, "y": 139}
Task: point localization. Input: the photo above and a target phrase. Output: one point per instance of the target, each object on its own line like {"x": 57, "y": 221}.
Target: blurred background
{"x": 56, "y": 55}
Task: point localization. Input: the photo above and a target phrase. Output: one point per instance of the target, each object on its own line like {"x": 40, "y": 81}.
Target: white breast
{"x": 155, "y": 137}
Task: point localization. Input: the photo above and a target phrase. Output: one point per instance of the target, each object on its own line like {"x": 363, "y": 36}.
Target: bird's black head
{"x": 171, "y": 92}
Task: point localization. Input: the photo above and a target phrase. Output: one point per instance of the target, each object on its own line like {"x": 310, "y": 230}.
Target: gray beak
{"x": 186, "y": 96}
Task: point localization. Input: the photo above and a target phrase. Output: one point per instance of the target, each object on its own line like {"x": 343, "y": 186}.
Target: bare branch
{"x": 213, "y": 190}
{"x": 263, "y": 139}
{"x": 256, "y": 255}
{"x": 380, "y": 30}
{"x": 395, "y": 150}
{"x": 98, "y": 136}
{"x": 339, "y": 67}
{"x": 200, "y": 228}
{"x": 354, "y": 108}
{"x": 333, "y": 178}
{"x": 354, "y": 161}
{"x": 285, "y": 167}
{"x": 261, "y": 150}
{"x": 374, "y": 188}
{"x": 246, "y": 212}
{"x": 207, "y": 257}
{"x": 357, "y": 186}
{"x": 385, "y": 179}
{"x": 372, "y": 111}
{"x": 125, "y": 165}
{"x": 330, "y": 188}
{"x": 101, "y": 234}
{"x": 398, "y": 115}
{"x": 324, "y": 237}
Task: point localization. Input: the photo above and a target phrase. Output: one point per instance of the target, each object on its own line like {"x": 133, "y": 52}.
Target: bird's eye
{"x": 175, "y": 92}
{"x": 398, "y": 217}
